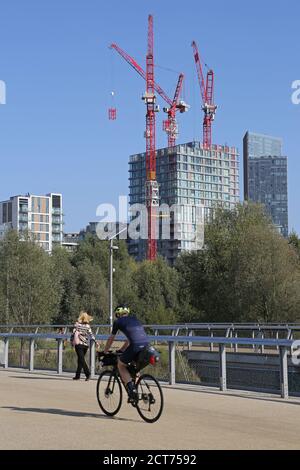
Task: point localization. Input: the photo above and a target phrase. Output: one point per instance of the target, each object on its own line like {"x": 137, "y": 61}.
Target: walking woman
{"x": 82, "y": 334}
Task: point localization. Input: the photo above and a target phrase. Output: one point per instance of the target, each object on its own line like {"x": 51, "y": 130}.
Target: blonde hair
{"x": 84, "y": 317}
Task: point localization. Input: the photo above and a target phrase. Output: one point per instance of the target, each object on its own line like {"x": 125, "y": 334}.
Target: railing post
{"x": 172, "y": 365}
{"x": 289, "y": 337}
{"x": 229, "y": 334}
{"x": 236, "y": 346}
{"x": 31, "y": 354}
{"x": 284, "y": 378}
{"x": 222, "y": 367}
{"x": 212, "y": 344}
{"x": 262, "y": 349}
{"x": 6, "y": 347}
{"x": 190, "y": 343}
{"x": 92, "y": 358}
{"x": 59, "y": 355}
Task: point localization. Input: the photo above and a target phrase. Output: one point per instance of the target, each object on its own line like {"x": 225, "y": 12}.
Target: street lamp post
{"x": 111, "y": 274}
{"x": 112, "y": 247}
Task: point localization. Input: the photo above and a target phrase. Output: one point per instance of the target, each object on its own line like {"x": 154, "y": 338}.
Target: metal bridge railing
{"x": 228, "y": 329}
{"x": 283, "y": 346}
{"x": 254, "y": 330}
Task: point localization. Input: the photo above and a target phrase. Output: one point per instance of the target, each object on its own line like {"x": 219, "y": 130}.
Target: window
{"x": 56, "y": 202}
{"x": 40, "y": 205}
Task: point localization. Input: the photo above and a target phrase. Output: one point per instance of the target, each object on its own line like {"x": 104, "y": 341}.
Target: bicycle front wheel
{"x": 150, "y": 398}
{"x": 109, "y": 393}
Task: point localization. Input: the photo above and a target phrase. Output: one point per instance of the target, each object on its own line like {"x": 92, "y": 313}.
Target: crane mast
{"x": 170, "y": 125}
{"x": 207, "y": 95}
{"x": 152, "y": 190}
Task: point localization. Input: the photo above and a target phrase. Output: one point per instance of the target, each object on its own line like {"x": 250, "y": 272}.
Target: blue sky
{"x": 59, "y": 72}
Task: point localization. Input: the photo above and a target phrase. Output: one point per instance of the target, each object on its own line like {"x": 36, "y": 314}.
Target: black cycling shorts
{"x": 131, "y": 353}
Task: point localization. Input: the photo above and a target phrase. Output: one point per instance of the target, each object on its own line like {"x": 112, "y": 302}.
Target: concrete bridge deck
{"x": 43, "y": 411}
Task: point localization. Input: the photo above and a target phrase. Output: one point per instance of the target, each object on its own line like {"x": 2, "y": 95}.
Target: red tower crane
{"x": 152, "y": 191}
{"x": 207, "y": 95}
{"x": 170, "y": 125}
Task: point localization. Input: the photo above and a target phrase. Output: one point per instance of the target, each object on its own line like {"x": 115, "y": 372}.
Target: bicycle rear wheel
{"x": 151, "y": 401}
{"x": 109, "y": 392}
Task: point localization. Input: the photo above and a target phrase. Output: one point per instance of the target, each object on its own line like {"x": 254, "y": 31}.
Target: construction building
{"x": 105, "y": 230}
{"x": 71, "y": 241}
{"x": 265, "y": 177}
{"x": 40, "y": 216}
{"x": 193, "y": 178}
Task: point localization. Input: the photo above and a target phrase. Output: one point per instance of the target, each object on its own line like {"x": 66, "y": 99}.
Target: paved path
{"x": 51, "y": 412}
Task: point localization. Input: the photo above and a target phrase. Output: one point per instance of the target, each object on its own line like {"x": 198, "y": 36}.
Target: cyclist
{"x": 137, "y": 339}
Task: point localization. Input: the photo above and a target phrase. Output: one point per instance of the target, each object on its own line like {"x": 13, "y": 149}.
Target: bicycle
{"x": 149, "y": 401}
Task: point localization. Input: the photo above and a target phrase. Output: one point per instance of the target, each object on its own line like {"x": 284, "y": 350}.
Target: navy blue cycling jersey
{"x": 132, "y": 328}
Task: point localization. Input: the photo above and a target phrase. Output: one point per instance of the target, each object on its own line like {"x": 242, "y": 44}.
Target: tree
{"x": 26, "y": 281}
{"x": 65, "y": 279}
{"x": 125, "y": 289}
{"x": 294, "y": 242}
{"x": 92, "y": 290}
{"x": 247, "y": 271}
{"x": 157, "y": 292}
{"x": 4, "y": 316}
{"x": 91, "y": 264}
{"x": 189, "y": 311}
{"x": 267, "y": 281}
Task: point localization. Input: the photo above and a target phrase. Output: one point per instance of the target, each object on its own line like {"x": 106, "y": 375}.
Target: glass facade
{"x": 260, "y": 145}
{"x": 193, "y": 178}
{"x": 265, "y": 177}
{"x": 268, "y": 185}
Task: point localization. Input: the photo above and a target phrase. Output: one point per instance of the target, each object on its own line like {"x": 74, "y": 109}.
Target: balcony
{"x": 23, "y": 226}
{"x": 56, "y": 229}
{"x": 56, "y": 211}
{"x": 23, "y": 209}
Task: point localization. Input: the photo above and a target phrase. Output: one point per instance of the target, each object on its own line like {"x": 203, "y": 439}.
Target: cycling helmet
{"x": 122, "y": 310}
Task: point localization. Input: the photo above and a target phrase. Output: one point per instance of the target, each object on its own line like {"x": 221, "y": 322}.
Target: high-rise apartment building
{"x": 255, "y": 146}
{"x": 194, "y": 179}
{"x": 265, "y": 177}
{"x": 268, "y": 185}
{"x": 41, "y": 216}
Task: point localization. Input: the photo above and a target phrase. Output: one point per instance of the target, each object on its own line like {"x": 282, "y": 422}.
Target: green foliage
{"x": 246, "y": 272}
{"x": 26, "y": 281}
{"x": 65, "y": 279}
{"x": 156, "y": 287}
{"x": 294, "y": 242}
